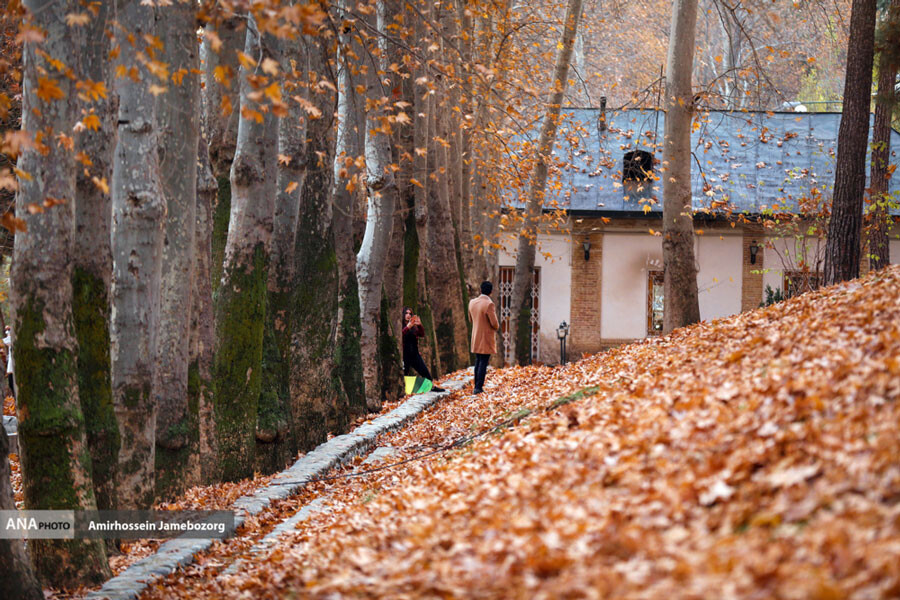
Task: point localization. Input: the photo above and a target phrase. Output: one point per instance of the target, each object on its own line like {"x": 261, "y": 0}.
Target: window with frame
{"x": 654, "y": 302}
{"x": 798, "y": 282}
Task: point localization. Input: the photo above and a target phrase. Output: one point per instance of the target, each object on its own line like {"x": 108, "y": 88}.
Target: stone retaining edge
{"x": 130, "y": 583}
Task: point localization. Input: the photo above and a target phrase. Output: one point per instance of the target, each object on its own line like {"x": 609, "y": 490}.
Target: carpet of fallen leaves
{"x": 754, "y": 457}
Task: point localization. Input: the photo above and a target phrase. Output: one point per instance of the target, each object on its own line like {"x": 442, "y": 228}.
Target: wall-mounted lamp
{"x": 586, "y": 244}
{"x": 754, "y": 250}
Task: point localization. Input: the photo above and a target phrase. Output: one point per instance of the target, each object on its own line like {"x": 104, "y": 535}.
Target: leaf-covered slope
{"x": 754, "y": 457}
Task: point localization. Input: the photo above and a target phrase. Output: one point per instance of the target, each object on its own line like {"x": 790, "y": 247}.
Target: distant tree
{"x": 681, "y": 303}
{"x": 879, "y": 178}
{"x": 521, "y": 301}
{"x": 842, "y": 248}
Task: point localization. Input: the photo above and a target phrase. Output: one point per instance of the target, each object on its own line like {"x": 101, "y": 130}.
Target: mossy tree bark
{"x": 222, "y": 101}
{"x": 521, "y": 299}
{"x": 55, "y": 458}
{"x": 241, "y": 300}
{"x": 19, "y": 582}
{"x": 350, "y": 118}
{"x": 275, "y": 439}
{"x": 383, "y": 193}
{"x": 178, "y": 118}
{"x": 139, "y": 210}
{"x": 681, "y": 304}
{"x": 317, "y": 397}
{"x": 93, "y": 263}
{"x": 202, "y": 331}
{"x": 842, "y": 245}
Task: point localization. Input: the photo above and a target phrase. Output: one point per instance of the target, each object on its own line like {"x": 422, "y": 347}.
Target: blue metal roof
{"x": 754, "y": 161}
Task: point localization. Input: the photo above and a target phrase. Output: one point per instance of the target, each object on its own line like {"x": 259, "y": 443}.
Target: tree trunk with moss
{"x": 202, "y": 331}
{"x": 317, "y": 397}
{"x": 681, "y": 303}
{"x": 139, "y": 210}
{"x": 382, "y": 199}
{"x": 222, "y": 101}
{"x": 241, "y": 300}
{"x": 93, "y": 264}
{"x": 275, "y": 440}
{"x": 350, "y": 119}
{"x": 521, "y": 299}
{"x": 56, "y": 469}
{"x": 178, "y": 118}
{"x": 19, "y": 582}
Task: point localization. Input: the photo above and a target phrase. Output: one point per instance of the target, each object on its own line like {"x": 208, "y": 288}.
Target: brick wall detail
{"x": 752, "y": 274}
{"x": 586, "y": 286}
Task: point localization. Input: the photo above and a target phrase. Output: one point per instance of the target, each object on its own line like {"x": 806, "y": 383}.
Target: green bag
{"x": 417, "y": 384}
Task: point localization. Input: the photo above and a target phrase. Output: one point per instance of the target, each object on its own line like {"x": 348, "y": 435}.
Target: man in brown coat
{"x": 484, "y": 332}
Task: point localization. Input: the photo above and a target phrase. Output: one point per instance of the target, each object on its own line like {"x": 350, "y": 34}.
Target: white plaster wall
{"x": 895, "y": 251}
{"x": 626, "y": 259}
{"x": 554, "y": 257}
{"x": 719, "y": 277}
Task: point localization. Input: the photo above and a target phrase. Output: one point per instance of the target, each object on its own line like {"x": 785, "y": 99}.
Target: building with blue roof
{"x": 603, "y": 274}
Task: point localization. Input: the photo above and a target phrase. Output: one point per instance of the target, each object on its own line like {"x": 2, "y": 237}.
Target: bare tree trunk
{"x": 54, "y": 451}
{"x": 241, "y": 302}
{"x": 317, "y": 397}
{"x": 382, "y": 199}
{"x": 521, "y": 300}
{"x": 681, "y": 303}
{"x": 348, "y": 147}
{"x": 440, "y": 260}
{"x": 139, "y": 210}
{"x": 202, "y": 333}
{"x": 275, "y": 427}
{"x": 93, "y": 265}
{"x": 19, "y": 582}
{"x": 223, "y": 107}
{"x": 879, "y": 179}
{"x": 178, "y": 115}
{"x": 842, "y": 247}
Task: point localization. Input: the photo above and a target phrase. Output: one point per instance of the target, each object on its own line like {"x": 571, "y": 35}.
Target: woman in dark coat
{"x": 412, "y": 360}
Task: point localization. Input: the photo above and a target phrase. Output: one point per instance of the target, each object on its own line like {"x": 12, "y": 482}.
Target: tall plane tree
{"x": 95, "y": 140}
{"x": 842, "y": 247}
{"x": 681, "y": 303}
{"x": 55, "y": 458}
{"x": 139, "y": 210}
{"x": 383, "y": 193}
{"x": 178, "y": 116}
{"x": 521, "y": 300}
{"x": 241, "y": 300}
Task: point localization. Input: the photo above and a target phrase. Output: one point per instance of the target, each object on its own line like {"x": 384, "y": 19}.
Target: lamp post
{"x": 754, "y": 250}
{"x": 561, "y": 332}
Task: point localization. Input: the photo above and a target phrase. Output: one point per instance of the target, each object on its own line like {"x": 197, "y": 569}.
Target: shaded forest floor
{"x": 755, "y": 456}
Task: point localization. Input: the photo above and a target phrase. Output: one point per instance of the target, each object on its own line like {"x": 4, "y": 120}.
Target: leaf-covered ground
{"x": 755, "y": 457}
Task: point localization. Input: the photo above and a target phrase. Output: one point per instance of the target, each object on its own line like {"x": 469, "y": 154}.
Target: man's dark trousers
{"x": 481, "y": 365}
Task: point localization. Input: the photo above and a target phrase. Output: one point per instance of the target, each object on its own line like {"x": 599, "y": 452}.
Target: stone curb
{"x": 130, "y": 583}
